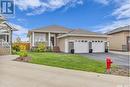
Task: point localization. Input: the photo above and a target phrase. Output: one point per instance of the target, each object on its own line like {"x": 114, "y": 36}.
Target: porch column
{"x": 33, "y": 39}
{"x": 49, "y": 39}
{"x": 10, "y": 41}
{"x": 55, "y": 40}
{"x": 66, "y": 50}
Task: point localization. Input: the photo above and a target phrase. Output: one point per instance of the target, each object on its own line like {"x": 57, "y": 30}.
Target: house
{"x": 81, "y": 41}
{"x": 120, "y": 39}
{"x": 5, "y": 37}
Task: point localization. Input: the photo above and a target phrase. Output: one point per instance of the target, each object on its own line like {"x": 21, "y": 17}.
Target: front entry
{"x": 52, "y": 41}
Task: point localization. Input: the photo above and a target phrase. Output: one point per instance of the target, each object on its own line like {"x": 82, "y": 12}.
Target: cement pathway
{"x": 19, "y": 74}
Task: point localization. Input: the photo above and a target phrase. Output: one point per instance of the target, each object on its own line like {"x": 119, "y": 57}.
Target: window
{"x": 40, "y": 37}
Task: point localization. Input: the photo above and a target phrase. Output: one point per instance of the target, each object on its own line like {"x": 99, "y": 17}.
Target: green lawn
{"x": 68, "y": 61}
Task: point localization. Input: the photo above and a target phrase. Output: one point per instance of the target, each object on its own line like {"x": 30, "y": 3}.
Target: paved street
{"x": 118, "y": 59}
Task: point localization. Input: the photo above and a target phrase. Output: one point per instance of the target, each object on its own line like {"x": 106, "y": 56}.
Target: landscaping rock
{"x": 122, "y": 71}
{"x": 23, "y": 59}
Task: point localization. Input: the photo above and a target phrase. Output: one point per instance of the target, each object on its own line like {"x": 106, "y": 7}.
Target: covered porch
{"x": 49, "y": 38}
{"x": 5, "y": 39}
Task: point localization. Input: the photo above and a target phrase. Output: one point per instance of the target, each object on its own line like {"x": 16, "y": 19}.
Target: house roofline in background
{"x": 12, "y": 28}
{"x": 120, "y": 29}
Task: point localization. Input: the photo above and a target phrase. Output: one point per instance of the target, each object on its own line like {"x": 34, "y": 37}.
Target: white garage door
{"x": 98, "y": 46}
{"x": 81, "y": 47}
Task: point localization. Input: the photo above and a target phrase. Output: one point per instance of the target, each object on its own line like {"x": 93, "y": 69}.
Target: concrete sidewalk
{"x": 19, "y": 74}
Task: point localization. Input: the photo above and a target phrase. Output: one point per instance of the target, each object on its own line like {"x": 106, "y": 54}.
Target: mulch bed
{"x": 122, "y": 71}
{"x": 23, "y": 59}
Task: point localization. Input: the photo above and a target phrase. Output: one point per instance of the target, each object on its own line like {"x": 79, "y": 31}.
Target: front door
{"x": 52, "y": 41}
{"x": 128, "y": 43}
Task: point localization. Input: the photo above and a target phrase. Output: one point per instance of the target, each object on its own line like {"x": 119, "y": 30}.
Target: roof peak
{"x": 119, "y": 29}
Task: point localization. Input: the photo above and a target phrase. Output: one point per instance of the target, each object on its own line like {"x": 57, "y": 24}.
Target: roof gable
{"x": 7, "y": 25}
{"x": 120, "y": 29}
{"x": 81, "y": 31}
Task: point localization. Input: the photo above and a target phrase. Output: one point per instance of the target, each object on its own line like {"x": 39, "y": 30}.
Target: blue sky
{"x": 94, "y": 15}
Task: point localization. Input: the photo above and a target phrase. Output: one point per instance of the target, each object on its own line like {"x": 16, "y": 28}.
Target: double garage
{"x": 85, "y": 45}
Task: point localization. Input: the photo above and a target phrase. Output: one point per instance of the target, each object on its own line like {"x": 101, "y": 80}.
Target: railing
{"x": 4, "y": 44}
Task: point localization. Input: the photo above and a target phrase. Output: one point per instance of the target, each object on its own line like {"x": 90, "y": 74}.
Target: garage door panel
{"x": 98, "y": 46}
{"x": 81, "y": 47}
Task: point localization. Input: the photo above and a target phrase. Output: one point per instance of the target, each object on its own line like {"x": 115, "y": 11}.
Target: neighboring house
{"x": 68, "y": 39}
{"x": 5, "y": 38}
{"x": 120, "y": 39}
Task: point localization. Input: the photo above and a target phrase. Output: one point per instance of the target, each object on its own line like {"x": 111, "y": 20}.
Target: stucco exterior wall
{"x": 117, "y": 40}
{"x": 62, "y": 42}
{"x": 87, "y": 38}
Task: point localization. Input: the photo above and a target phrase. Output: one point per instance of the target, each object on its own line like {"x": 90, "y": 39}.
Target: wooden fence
{"x": 4, "y": 51}
{"x": 4, "y": 48}
{"x": 26, "y": 45}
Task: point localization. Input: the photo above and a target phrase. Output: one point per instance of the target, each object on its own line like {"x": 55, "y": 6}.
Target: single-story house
{"x": 120, "y": 39}
{"x": 81, "y": 41}
{"x": 5, "y": 37}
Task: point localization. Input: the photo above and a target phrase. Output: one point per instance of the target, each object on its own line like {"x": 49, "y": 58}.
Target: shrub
{"x": 41, "y": 47}
{"x": 14, "y": 52}
{"x": 22, "y": 47}
{"x": 23, "y": 53}
{"x": 16, "y": 47}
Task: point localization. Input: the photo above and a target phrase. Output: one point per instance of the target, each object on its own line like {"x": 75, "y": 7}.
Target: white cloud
{"x": 122, "y": 15}
{"x": 113, "y": 25}
{"x": 104, "y": 2}
{"x": 40, "y": 6}
{"x": 22, "y": 32}
{"x": 26, "y": 4}
{"x": 123, "y": 10}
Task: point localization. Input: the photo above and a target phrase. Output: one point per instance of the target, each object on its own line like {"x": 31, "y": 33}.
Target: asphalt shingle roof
{"x": 125, "y": 28}
{"x": 60, "y": 29}
{"x": 80, "y": 31}
{"x": 54, "y": 29}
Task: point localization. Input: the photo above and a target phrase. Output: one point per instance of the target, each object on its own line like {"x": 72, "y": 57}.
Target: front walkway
{"x": 19, "y": 74}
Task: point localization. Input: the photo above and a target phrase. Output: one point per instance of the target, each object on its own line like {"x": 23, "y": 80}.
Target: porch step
{"x": 56, "y": 49}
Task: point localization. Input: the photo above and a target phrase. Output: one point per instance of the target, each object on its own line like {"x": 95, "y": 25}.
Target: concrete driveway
{"x": 118, "y": 59}
{"x": 19, "y": 74}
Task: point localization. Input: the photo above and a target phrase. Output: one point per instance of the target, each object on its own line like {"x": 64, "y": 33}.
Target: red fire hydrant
{"x": 108, "y": 64}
